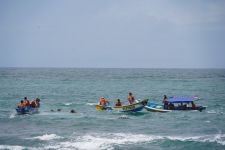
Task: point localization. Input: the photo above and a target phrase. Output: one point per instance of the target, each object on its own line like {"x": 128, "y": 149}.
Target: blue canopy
{"x": 182, "y": 99}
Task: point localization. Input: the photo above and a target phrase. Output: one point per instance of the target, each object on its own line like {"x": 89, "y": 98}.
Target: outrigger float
{"x": 138, "y": 106}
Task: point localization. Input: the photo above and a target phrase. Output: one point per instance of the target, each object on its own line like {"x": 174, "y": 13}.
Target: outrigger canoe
{"x": 155, "y": 107}
{"x": 138, "y": 106}
{"x": 27, "y": 110}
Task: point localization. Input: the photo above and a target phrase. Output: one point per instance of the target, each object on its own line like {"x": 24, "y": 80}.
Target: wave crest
{"x": 109, "y": 140}
{"x": 47, "y": 137}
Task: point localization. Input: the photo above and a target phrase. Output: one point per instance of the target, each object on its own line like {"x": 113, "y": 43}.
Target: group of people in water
{"x": 104, "y": 102}
{"x": 25, "y": 103}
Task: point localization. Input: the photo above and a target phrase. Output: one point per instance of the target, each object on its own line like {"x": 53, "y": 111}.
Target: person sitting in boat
{"x": 131, "y": 98}
{"x": 33, "y": 104}
{"x": 37, "y": 101}
{"x": 170, "y": 106}
{"x": 103, "y": 101}
{"x": 21, "y": 104}
{"x": 118, "y": 103}
{"x": 165, "y": 102}
{"x": 184, "y": 106}
{"x": 26, "y": 102}
{"x": 193, "y": 106}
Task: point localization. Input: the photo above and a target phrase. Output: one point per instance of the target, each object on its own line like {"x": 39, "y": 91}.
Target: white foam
{"x": 47, "y": 137}
{"x": 217, "y": 138}
{"x": 67, "y": 104}
{"x": 11, "y": 147}
{"x": 107, "y": 141}
{"x": 91, "y": 104}
{"x": 211, "y": 112}
{"x": 12, "y": 115}
{"x": 99, "y": 141}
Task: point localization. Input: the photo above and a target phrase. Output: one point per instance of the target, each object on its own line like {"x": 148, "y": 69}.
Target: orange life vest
{"x": 103, "y": 102}
{"x": 130, "y": 99}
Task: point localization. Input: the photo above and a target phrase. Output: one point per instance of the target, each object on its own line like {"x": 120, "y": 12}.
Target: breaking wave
{"x": 11, "y": 147}
{"x": 108, "y": 141}
{"x": 47, "y": 137}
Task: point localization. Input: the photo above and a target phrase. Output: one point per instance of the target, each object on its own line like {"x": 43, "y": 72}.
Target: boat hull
{"x": 130, "y": 108}
{"x": 100, "y": 108}
{"x": 29, "y": 110}
{"x": 156, "y": 109}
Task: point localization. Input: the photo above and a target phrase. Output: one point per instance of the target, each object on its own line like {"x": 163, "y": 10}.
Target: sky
{"x": 112, "y": 33}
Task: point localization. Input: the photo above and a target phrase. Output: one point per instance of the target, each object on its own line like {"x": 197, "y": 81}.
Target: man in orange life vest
{"x": 103, "y": 101}
{"x": 131, "y": 98}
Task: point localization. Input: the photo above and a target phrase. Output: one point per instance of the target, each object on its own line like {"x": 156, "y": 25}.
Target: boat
{"x": 100, "y": 107}
{"x": 183, "y": 102}
{"x": 151, "y": 106}
{"x": 137, "y": 106}
{"x": 27, "y": 110}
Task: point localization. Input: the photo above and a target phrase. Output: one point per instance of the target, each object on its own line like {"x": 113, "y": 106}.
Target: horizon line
{"x": 109, "y": 67}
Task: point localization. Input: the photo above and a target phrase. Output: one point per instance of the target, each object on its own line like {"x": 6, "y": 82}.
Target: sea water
{"x": 81, "y": 89}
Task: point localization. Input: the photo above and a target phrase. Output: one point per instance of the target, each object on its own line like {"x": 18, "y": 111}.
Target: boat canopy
{"x": 182, "y": 99}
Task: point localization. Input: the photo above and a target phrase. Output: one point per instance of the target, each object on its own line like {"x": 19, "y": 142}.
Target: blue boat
{"x": 138, "y": 106}
{"x": 27, "y": 110}
{"x": 183, "y": 102}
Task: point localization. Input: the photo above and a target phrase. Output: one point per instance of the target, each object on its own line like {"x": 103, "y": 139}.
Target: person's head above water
{"x": 37, "y": 99}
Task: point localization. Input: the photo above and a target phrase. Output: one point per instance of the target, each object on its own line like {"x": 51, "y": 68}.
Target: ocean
{"x": 88, "y": 129}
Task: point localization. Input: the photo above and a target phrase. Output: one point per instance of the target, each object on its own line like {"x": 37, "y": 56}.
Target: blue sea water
{"x": 80, "y": 89}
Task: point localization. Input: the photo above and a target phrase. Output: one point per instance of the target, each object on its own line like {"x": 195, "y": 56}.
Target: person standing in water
{"x": 131, "y": 98}
{"x": 165, "y": 102}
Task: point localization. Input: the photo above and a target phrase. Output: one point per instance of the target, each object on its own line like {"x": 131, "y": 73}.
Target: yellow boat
{"x": 100, "y": 107}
